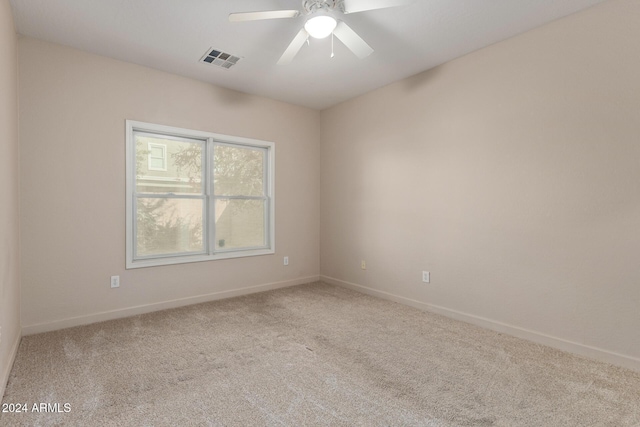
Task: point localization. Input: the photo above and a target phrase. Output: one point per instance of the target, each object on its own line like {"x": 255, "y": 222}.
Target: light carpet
{"x": 309, "y": 355}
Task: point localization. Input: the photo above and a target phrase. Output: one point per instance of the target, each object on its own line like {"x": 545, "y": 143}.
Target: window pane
{"x": 238, "y": 171}
{"x": 181, "y": 165}
{"x": 157, "y": 152}
{"x": 169, "y": 226}
{"x": 240, "y": 223}
{"x": 156, "y": 163}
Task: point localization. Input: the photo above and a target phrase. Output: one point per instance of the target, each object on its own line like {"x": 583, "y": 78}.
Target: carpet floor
{"x": 309, "y": 355}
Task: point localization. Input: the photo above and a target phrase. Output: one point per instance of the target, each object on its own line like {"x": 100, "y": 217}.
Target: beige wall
{"x": 512, "y": 175}
{"x": 9, "y": 247}
{"x": 73, "y": 107}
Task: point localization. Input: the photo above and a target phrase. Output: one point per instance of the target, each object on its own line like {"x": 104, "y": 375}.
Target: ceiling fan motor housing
{"x": 314, "y": 6}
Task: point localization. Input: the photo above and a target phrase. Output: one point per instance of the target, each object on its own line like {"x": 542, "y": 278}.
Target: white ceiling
{"x": 172, "y": 35}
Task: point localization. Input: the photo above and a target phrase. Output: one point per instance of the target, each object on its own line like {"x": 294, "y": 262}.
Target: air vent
{"x": 220, "y": 59}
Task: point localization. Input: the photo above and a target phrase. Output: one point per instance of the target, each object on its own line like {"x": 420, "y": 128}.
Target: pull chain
{"x": 332, "y": 54}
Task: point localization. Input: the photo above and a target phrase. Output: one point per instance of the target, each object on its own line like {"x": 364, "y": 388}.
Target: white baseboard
{"x": 537, "y": 337}
{"x": 147, "y": 308}
{"x": 6, "y": 370}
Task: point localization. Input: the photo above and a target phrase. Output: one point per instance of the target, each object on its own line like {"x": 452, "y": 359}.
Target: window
{"x": 196, "y": 196}
{"x": 157, "y": 157}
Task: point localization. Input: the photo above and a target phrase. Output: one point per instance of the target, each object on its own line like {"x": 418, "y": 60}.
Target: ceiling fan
{"x": 321, "y": 22}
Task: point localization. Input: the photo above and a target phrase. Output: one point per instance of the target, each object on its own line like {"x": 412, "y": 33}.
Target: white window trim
{"x": 163, "y": 147}
{"x": 210, "y": 138}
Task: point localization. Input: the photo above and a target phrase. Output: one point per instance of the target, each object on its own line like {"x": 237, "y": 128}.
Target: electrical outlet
{"x": 286, "y": 260}
{"x": 115, "y": 281}
{"x": 363, "y": 265}
{"x": 426, "y": 277}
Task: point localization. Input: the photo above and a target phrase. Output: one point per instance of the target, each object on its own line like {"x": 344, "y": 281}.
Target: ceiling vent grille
{"x": 219, "y": 58}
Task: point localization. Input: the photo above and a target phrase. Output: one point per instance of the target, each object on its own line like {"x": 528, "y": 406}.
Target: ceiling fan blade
{"x": 294, "y": 47}
{"x": 353, "y": 41}
{"x": 268, "y": 14}
{"x": 354, "y": 6}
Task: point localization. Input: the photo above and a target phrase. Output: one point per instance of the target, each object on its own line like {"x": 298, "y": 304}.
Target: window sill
{"x": 196, "y": 258}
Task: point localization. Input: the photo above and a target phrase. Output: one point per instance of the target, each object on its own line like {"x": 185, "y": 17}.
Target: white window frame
{"x": 210, "y": 140}
{"x": 163, "y": 147}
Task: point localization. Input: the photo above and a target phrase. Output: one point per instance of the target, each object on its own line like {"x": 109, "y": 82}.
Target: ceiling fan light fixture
{"x": 320, "y": 26}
